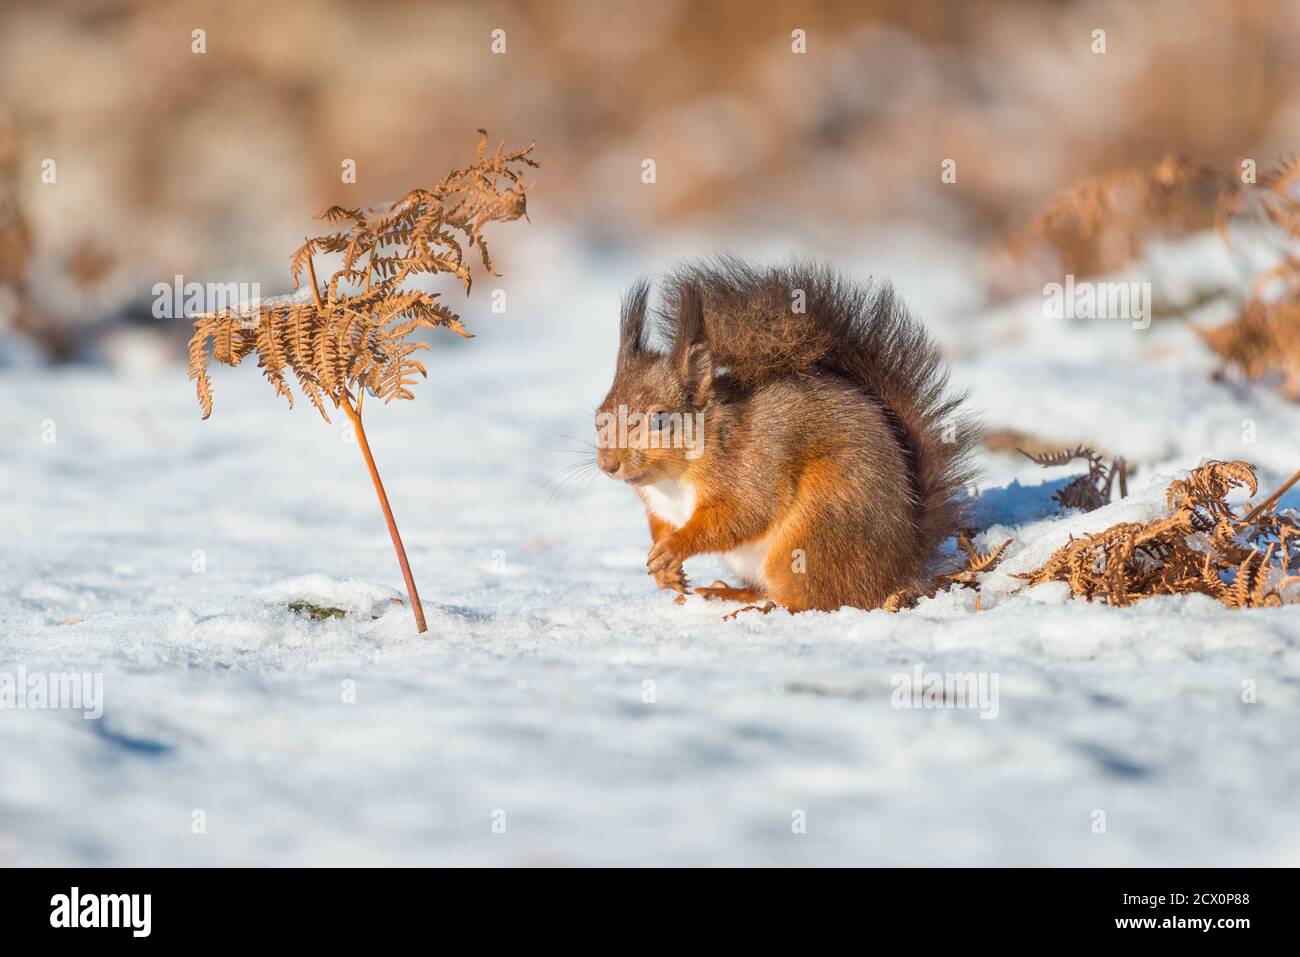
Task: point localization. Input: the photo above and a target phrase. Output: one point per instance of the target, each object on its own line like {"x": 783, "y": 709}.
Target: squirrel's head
{"x": 651, "y": 424}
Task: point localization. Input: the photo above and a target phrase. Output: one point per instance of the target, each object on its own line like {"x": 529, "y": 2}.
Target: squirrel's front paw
{"x": 663, "y": 554}
{"x": 672, "y": 578}
{"x": 665, "y": 564}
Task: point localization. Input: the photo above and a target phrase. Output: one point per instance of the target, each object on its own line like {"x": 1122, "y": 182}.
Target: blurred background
{"x": 211, "y": 164}
{"x": 970, "y": 152}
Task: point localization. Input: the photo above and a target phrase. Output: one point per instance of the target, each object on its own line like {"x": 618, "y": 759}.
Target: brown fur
{"x": 828, "y": 432}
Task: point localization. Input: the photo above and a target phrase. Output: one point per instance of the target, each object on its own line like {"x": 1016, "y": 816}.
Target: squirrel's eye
{"x": 659, "y": 420}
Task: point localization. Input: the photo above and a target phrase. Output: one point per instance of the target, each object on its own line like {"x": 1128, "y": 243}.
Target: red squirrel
{"x": 798, "y": 424}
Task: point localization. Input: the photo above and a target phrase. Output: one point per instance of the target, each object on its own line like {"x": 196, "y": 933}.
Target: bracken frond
{"x": 199, "y": 365}
{"x": 1087, "y": 492}
{"x": 1105, "y": 221}
{"x": 1263, "y": 341}
{"x": 1203, "y": 546}
{"x": 349, "y": 336}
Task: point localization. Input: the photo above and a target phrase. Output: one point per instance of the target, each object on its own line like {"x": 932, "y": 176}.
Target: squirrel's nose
{"x": 607, "y": 460}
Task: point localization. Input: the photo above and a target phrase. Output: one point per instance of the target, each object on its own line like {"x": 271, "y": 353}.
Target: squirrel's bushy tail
{"x": 765, "y": 323}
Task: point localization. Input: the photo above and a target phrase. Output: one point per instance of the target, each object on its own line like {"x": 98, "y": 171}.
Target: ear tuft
{"x": 690, "y": 316}
{"x": 631, "y": 338}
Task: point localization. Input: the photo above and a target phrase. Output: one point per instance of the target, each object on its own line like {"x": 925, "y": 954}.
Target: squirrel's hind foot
{"x": 721, "y": 591}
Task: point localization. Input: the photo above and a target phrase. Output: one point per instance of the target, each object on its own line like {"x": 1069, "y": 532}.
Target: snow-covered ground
{"x": 563, "y": 711}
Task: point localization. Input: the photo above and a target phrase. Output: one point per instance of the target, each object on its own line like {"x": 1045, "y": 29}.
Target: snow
{"x": 558, "y": 693}
{"x": 363, "y": 599}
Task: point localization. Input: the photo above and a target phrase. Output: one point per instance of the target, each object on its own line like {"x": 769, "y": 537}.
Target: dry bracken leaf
{"x": 1087, "y": 492}
{"x": 1202, "y": 546}
{"x": 1263, "y": 341}
{"x": 348, "y": 339}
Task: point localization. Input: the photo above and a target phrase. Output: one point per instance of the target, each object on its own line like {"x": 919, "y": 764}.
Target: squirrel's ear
{"x": 691, "y": 352}
{"x": 697, "y": 373}
{"x": 631, "y": 327}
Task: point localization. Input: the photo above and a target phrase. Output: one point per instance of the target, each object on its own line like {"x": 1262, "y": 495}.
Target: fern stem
{"x": 1272, "y": 500}
{"x": 311, "y": 271}
{"x": 370, "y": 266}
{"x": 414, "y": 595}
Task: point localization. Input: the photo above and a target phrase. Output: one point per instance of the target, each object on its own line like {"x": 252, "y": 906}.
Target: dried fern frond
{"x": 348, "y": 338}
{"x": 1202, "y": 546}
{"x": 978, "y": 561}
{"x": 1203, "y": 492}
{"x": 1063, "y": 457}
{"x": 1087, "y": 492}
{"x": 1103, "y": 222}
{"x": 1263, "y": 341}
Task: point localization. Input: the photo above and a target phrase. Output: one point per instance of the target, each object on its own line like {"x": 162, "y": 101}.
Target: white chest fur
{"x": 675, "y": 501}
{"x": 748, "y": 560}
{"x": 671, "y": 500}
